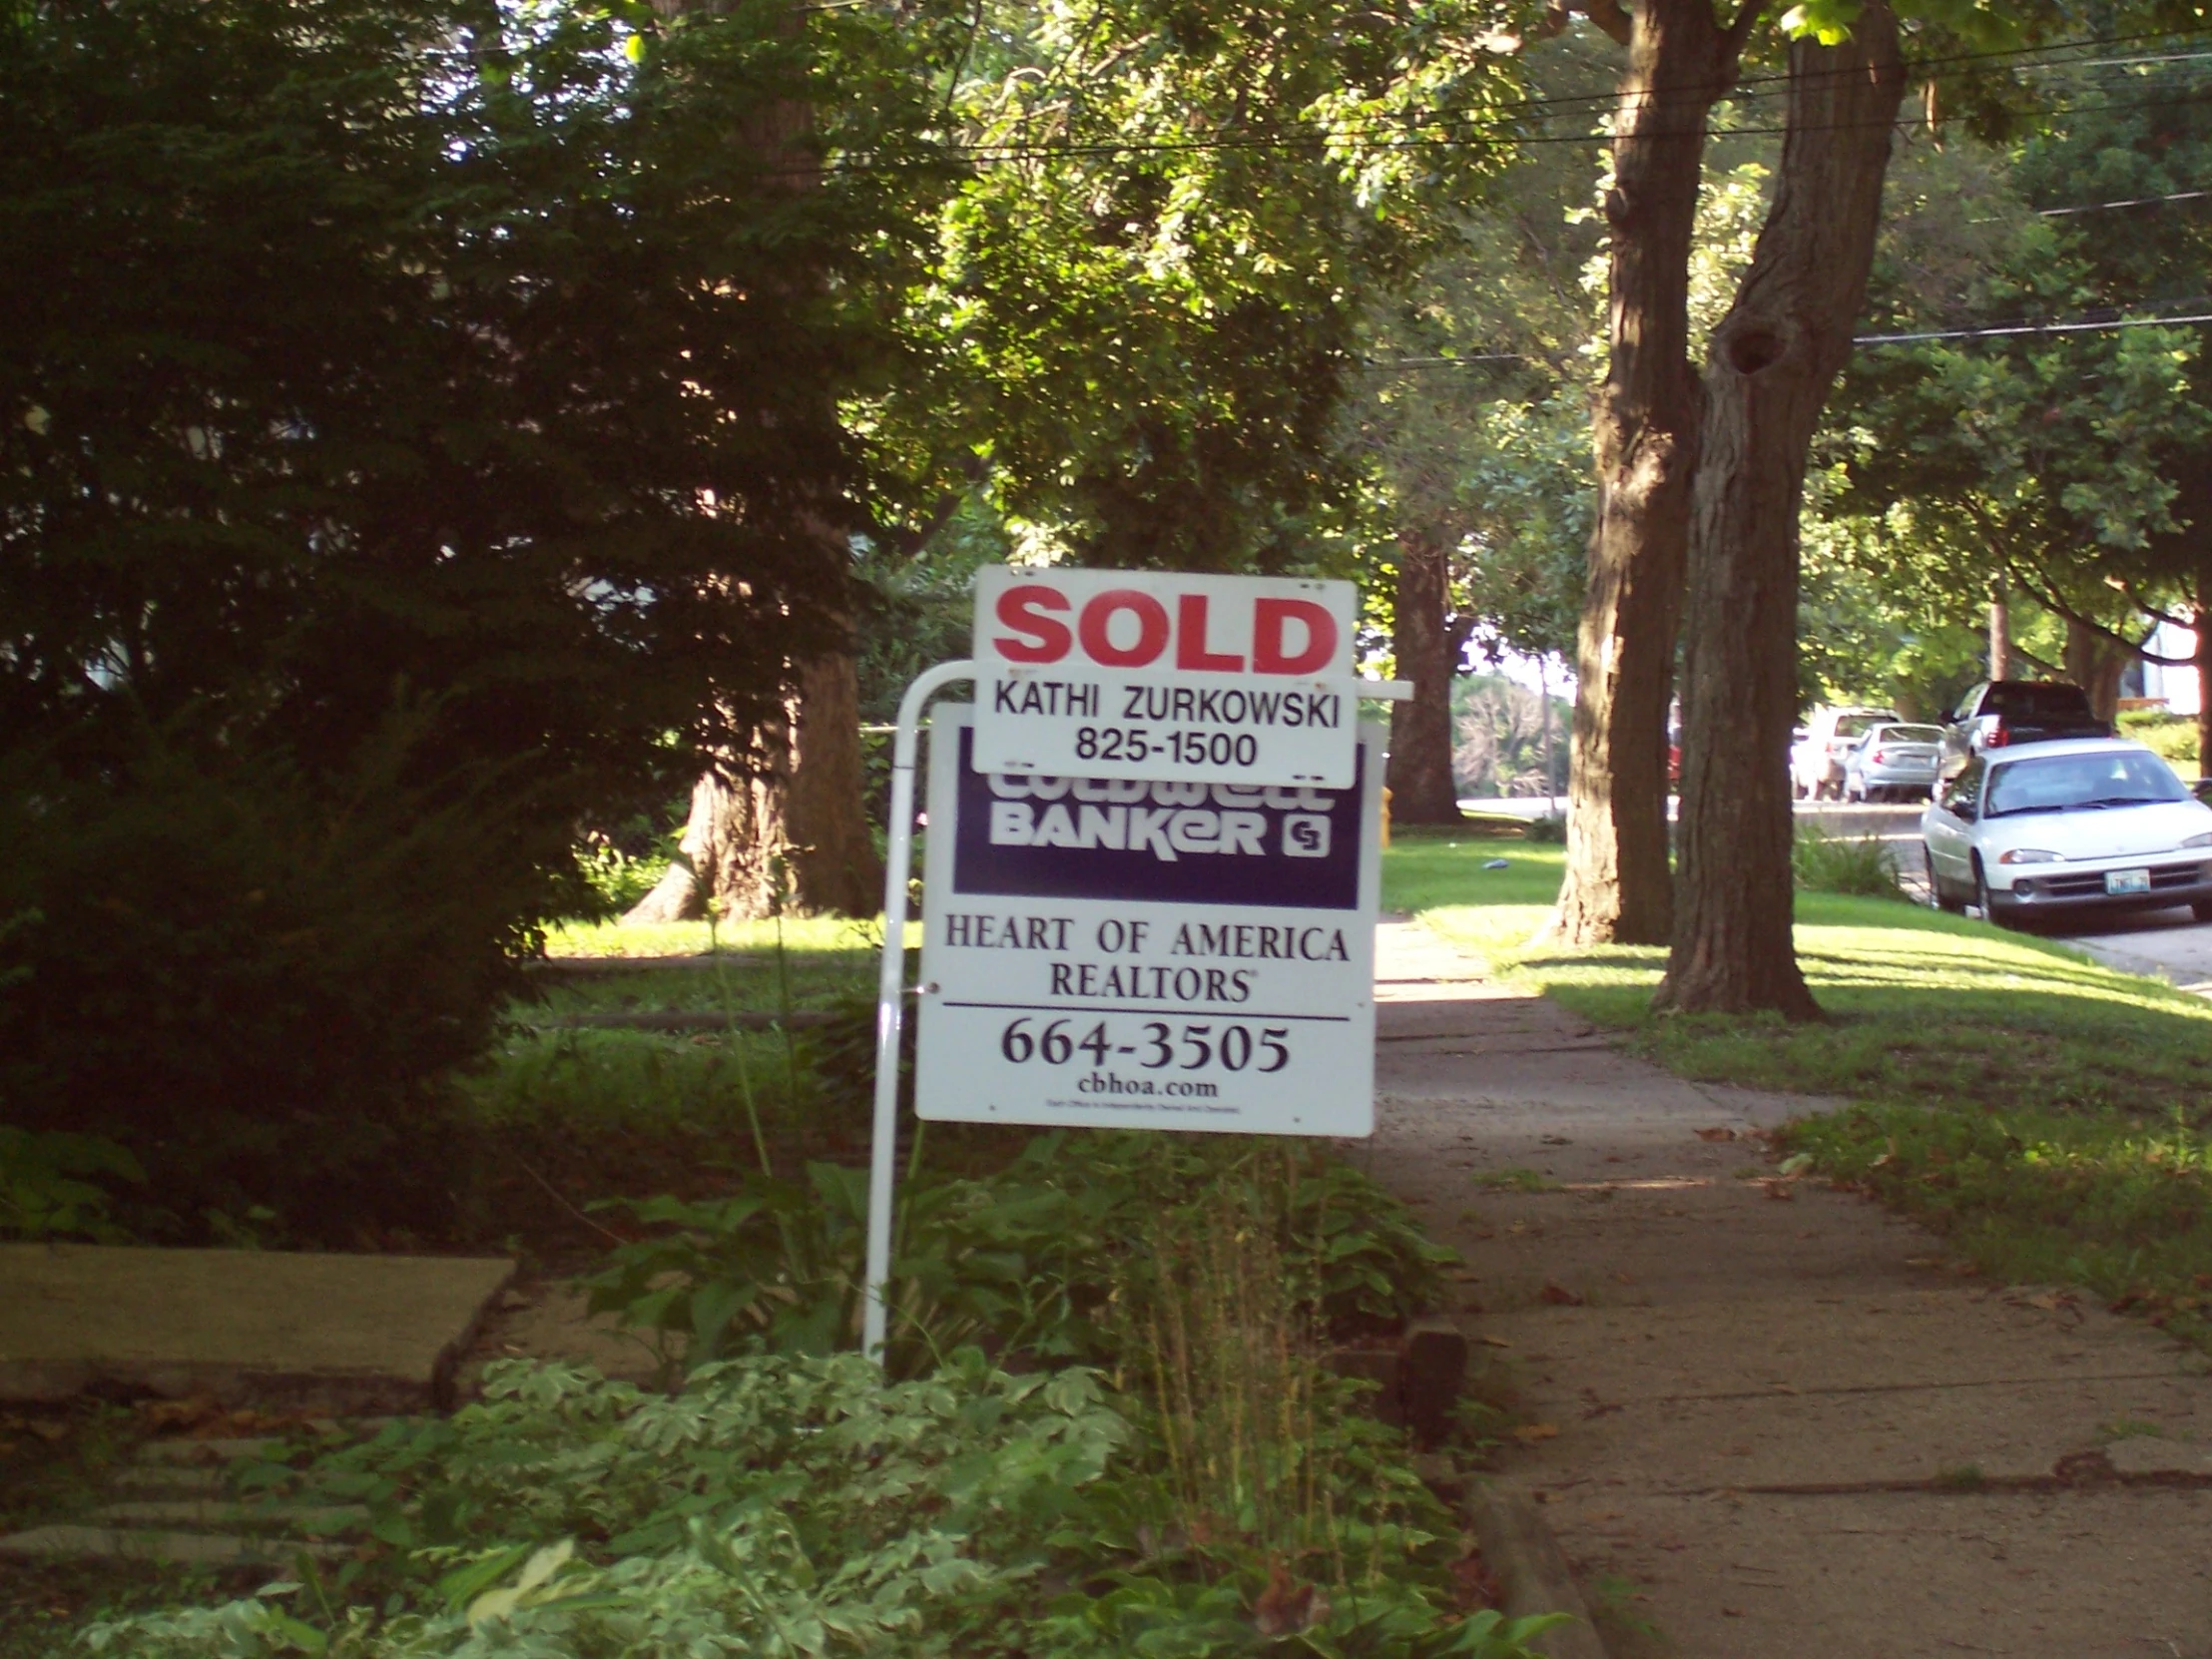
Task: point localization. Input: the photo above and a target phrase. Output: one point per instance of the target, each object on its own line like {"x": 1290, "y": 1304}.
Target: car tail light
{"x": 1999, "y": 737}
{"x": 1880, "y": 755}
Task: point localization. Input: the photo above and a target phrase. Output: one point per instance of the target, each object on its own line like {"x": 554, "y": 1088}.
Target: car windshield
{"x": 1854, "y": 725}
{"x": 1908, "y": 734}
{"x": 2035, "y": 699}
{"x": 2071, "y": 782}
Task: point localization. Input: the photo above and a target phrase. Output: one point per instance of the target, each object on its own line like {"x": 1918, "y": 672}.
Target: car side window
{"x": 1967, "y": 704}
{"x": 1963, "y": 793}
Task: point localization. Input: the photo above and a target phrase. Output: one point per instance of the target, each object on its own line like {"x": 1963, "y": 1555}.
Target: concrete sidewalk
{"x": 1771, "y": 1408}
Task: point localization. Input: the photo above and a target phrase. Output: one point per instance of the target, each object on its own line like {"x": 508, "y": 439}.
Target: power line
{"x": 1320, "y": 135}
{"x": 1014, "y": 150}
{"x": 2032, "y": 329}
{"x": 2132, "y": 201}
{"x": 1993, "y": 331}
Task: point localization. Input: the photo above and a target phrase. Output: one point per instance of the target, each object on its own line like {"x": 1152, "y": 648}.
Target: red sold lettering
{"x": 1190, "y": 639}
{"x": 1271, "y": 620}
{"x": 1098, "y": 619}
{"x": 1021, "y": 610}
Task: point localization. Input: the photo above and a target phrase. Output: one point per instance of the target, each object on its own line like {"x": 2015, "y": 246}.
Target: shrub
{"x": 2172, "y": 737}
{"x": 255, "y": 981}
{"x": 1860, "y": 864}
{"x": 1548, "y": 830}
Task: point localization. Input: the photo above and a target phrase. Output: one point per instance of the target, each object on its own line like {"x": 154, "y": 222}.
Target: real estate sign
{"x": 1165, "y": 676}
{"x": 1104, "y": 951}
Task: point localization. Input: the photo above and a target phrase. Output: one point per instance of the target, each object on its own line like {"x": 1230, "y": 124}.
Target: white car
{"x": 1817, "y": 763}
{"x": 1893, "y": 761}
{"x": 2056, "y": 827}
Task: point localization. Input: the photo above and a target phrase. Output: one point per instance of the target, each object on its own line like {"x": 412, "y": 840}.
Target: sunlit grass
{"x": 691, "y": 939}
{"x": 2048, "y": 1112}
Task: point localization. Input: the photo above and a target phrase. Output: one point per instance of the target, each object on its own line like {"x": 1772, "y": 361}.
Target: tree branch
{"x": 1606, "y": 14}
{"x": 1739, "y": 32}
{"x": 2051, "y": 601}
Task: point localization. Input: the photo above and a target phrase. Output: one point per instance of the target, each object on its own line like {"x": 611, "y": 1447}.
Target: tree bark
{"x": 1768, "y": 374}
{"x": 2203, "y": 622}
{"x": 1644, "y": 428}
{"x": 794, "y": 831}
{"x": 1422, "y": 789}
{"x": 2001, "y": 634}
{"x": 834, "y": 867}
{"x": 2095, "y": 662}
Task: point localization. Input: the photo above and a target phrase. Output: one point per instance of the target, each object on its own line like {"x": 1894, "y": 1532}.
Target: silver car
{"x": 1894, "y": 762}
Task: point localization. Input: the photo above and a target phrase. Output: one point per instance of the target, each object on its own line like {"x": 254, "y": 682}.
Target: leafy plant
{"x": 1023, "y": 1261}
{"x": 1858, "y": 866}
{"x": 50, "y": 1185}
{"x": 1548, "y": 831}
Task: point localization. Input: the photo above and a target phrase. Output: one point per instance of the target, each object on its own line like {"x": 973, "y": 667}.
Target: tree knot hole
{"x": 1753, "y": 350}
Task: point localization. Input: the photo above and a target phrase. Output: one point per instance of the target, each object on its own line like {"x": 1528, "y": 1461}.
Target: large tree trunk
{"x": 1645, "y": 433}
{"x": 2203, "y": 622}
{"x": 2001, "y": 634}
{"x": 2095, "y": 662}
{"x": 1422, "y": 789}
{"x": 794, "y": 831}
{"x": 834, "y": 867}
{"x": 1771, "y": 362}
{"x": 777, "y": 834}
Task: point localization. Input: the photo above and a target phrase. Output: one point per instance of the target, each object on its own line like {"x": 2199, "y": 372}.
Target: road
{"x": 2167, "y": 944}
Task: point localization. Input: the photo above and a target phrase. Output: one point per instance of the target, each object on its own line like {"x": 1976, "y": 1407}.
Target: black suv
{"x": 1998, "y": 713}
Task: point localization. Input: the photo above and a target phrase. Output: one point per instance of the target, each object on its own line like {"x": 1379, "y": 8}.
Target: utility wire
{"x": 1611, "y": 99}
{"x": 2132, "y": 202}
{"x": 1990, "y": 333}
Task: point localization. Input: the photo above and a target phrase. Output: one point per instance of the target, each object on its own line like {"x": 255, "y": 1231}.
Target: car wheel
{"x": 1946, "y": 899}
{"x": 1983, "y": 897}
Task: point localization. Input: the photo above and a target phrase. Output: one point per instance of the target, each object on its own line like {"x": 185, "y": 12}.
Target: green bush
{"x": 1861, "y": 865}
{"x": 2172, "y": 737}
{"x": 801, "y": 1506}
{"x": 1548, "y": 830}
{"x": 1025, "y": 1262}
{"x": 255, "y": 981}
{"x": 56, "y": 1184}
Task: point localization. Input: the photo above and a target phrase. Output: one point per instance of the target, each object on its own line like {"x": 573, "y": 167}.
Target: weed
{"x": 1861, "y": 865}
{"x": 1514, "y": 1180}
{"x": 1960, "y": 1477}
{"x": 1627, "y": 1632}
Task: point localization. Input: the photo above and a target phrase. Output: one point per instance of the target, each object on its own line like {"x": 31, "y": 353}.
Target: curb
{"x": 1519, "y": 1546}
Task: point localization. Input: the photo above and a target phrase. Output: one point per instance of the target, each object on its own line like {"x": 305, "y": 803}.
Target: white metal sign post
{"x": 1166, "y": 677}
{"x": 1122, "y": 953}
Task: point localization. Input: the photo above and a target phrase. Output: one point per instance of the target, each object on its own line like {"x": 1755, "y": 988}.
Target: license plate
{"x": 2128, "y": 880}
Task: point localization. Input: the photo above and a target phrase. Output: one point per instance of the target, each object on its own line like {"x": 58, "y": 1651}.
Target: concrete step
{"x": 202, "y": 1549}
{"x": 209, "y": 1452}
{"x": 172, "y": 1481}
{"x": 224, "y": 1513}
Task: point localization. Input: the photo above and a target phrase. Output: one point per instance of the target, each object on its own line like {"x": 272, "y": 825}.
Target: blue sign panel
{"x": 1157, "y": 843}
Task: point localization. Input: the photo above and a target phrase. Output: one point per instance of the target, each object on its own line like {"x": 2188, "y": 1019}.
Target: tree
{"x": 1645, "y": 433}
{"x": 1767, "y": 378}
{"x": 410, "y": 446}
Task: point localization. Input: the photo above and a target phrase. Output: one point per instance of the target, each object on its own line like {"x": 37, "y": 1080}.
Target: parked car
{"x": 2067, "y": 825}
{"x": 1894, "y": 762}
{"x": 1999, "y": 713}
{"x": 1817, "y": 763}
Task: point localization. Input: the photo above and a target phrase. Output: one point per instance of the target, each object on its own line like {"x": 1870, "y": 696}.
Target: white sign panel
{"x": 1139, "y": 674}
{"x": 1147, "y": 954}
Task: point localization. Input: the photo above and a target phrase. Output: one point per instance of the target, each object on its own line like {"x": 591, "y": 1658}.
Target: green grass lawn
{"x": 2049, "y": 1114}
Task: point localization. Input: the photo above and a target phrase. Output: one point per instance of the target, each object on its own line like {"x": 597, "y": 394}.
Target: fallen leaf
{"x": 1286, "y": 1606}
{"x": 1493, "y": 1342}
{"x": 1732, "y": 1612}
{"x": 1473, "y": 1585}
{"x": 1715, "y": 1134}
{"x": 1560, "y": 1296}
{"x": 1600, "y": 1410}
{"x": 1780, "y": 1189}
{"x": 1529, "y": 1433}
{"x": 47, "y": 1430}
{"x": 1797, "y": 1163}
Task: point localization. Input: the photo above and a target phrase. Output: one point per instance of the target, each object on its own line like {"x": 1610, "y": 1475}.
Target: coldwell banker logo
{"x": 1105, "y": 837}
